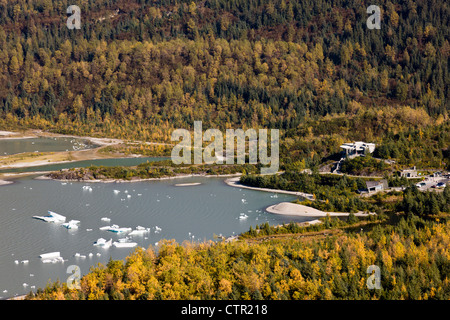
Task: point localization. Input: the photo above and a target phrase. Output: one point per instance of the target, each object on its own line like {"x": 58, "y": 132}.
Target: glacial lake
{"x": 43, "y": 144}
{"x": 192, "y": 213}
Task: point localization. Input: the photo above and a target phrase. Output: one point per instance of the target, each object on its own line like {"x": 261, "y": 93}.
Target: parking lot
{"x": 432, "y": 181}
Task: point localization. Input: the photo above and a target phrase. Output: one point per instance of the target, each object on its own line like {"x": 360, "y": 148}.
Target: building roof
{"x": 359, "y": 146}
{"x": 371, "y": 184}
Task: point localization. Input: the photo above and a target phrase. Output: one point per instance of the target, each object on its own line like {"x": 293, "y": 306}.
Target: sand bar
{"x": 294, "y": 209}
{"x": 187, "y": 184}
{"x": 234, "y": 182}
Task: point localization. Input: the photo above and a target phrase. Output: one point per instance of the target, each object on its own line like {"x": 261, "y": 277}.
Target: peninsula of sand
{"x": 294, "y": 209}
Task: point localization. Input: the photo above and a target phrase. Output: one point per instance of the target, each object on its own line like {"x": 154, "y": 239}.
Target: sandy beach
{"x": 294, "y": 209}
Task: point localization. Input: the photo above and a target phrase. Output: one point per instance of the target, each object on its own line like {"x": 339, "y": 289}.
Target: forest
{"x": 138, "y": 68}
{"x": 412, "y": 254}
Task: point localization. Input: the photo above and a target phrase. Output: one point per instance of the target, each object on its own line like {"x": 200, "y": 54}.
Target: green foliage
{"x": 363, "y": 166}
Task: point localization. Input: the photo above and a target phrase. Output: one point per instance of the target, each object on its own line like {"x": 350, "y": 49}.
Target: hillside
{"x": 150, "y": 66}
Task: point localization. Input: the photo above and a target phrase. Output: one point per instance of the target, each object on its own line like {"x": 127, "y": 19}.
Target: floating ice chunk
{"x": 50, "y": 255}
{"x": 51, "y": 217}
{"x": 72, "y": 224}
{"x": 31, "y": 275}
{"x": 106, "y": 219}
{"x": 124, "y": 244}
{"x": 88, "y": 229}
{"x": 16, "y": 261}
{"x": 128, "y": 196}
{"x": 103, "y": 243}
{"x": 25, "y": 284}
{"x": 90, "y": 254}
{"x": 98, "y": 254}
{"x": 116, "y": 191}
{"x": 139, "y": 194}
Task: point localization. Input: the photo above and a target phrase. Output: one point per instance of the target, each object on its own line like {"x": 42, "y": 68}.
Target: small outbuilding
{"x": 375, "y": 186}
{"x": 409, "y": 173}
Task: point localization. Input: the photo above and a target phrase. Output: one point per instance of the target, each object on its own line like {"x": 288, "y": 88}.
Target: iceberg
{"x": 50, "y": 255}
{"x": 72, "y": 224}
{"x": 115, "y": 228}
{"x": 139, "y": 231}
{"x": 103, "y": 243}
{"x": 243, "y": 216}
{"x": 51, "y": 217}
{"x": 87, "y": 188}
{"x": 123, "y": 243}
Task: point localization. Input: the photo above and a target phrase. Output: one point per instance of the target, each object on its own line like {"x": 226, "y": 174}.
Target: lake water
{"x": 193, "y": 213}
{"x": 42, "y": 144}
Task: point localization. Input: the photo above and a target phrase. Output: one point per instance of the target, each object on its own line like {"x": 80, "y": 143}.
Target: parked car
{"x": 421, "y": 184}
{"x": 441, "y": 185}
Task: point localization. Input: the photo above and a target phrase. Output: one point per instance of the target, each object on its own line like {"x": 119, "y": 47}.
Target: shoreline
{"x": 234, "y": 182}
{"x": 44, "y": 177}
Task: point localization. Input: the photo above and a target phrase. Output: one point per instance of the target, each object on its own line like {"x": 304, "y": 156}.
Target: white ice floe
{"x": 103, "y": 243}
{"x": 243, "y": 216}
{"x": 87, "y": 188}
{"x": 50, "y": 255}
{"x": 115, "y": 228}
{"x": 106, "y": 219}
{"x": 53, "y": 260}
{"x": 139, "y": 231}
{"x": 72, "y": 224}
{"x": 124, "y": 243}
{"x": 116, "y": 191}
{"x": 52, "y": 217}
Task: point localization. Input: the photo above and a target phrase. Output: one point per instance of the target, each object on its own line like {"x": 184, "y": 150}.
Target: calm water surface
{"x": 194, "y": 213}
{"x": 42, "y": 144}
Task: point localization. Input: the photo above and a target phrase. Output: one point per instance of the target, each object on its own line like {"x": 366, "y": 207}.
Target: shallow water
{"x": 42, "y": 144}
{"x": 86, "y": 163}
{"x": 193, "y": 213}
